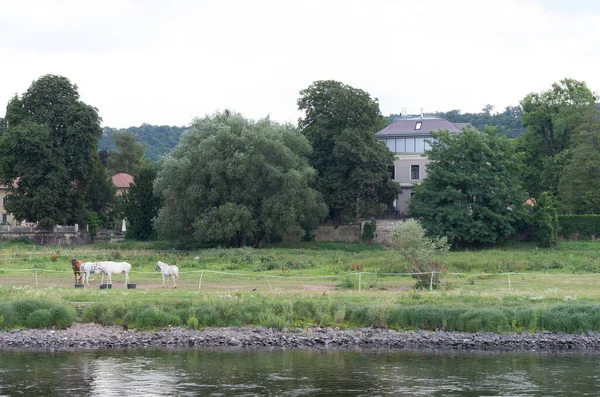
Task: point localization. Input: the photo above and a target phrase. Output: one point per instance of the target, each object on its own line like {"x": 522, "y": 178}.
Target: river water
{"x": 303, "y": 372}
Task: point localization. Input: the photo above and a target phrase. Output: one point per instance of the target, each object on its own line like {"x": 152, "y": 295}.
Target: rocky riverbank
{"x": 94, "y": 336}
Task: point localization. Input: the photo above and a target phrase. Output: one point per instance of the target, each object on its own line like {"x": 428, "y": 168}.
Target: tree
{"x": 472, "y": 193}
{"x": 100, "y": 197}
{"x": 48, "y": 152}
{"x": 129, "y": 156}
{"x": 353, "y": 166}
{"x": 551, "y": 118}
{"x": 141, "y": 204}
{"x": 542, "y": 220}
{"x": 231, "y": 181}
{"x": 408, "y": 238}
{"x": 579, "y": 188}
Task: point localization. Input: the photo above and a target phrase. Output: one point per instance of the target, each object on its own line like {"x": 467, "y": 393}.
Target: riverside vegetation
{"x": 553, "y": 289}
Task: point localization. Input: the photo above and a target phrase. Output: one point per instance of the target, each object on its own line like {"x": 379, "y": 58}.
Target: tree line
{"x": 234, "y": 181}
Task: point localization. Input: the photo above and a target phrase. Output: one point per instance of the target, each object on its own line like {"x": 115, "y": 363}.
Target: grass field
{"x": 515, "y": 287}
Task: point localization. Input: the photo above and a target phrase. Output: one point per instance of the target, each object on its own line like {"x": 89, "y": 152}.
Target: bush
{"x": 579, "y": 226}
{"x": 62, "y": 316}
{"x": 25, "y": 307}
{"x": 409, "y": 239}
{"x": 193, "y": 323}
{"x": 40, "y": 318}
{"x": 368, "y": 232}
{"x": 542, "y": 221}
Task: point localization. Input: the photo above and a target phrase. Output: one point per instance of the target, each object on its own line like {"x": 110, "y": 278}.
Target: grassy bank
{"x": 324, "y": 284}
{"x": 193, "y": 309}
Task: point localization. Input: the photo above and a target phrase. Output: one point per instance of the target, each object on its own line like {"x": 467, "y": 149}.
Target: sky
{"x": 168, "y": 61}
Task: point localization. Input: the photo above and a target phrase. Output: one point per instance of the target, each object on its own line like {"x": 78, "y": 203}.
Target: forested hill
{"x": 508, "y": 122}
{"x": 159, "y": 139}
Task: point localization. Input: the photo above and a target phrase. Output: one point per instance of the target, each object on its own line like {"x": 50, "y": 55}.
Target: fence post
{"x": 431, "y": 283}
{"x": 360, "y": 282}
{"x": 200, "y": 282}
{"x": 268, "y": 282}
{"x": 509, "y": 288}
{"x": 36, "y": 277}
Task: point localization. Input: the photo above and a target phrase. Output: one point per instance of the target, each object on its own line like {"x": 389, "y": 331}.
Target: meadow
{"x": 517, "y": 287}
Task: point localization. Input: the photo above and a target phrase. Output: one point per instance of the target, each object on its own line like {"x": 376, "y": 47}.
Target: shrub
{"x": 40, "y": 318}
{"x": 409, "y": 239}
{"x": 193, "y": 323}
{"x": 368, "y": 232}
{"x": 582, "y": 226}
{"x": 542, "y": 220}
{"x": 100, "y": 313}
{"x": 62, "y": 316}
{"x": 25, "y": 307}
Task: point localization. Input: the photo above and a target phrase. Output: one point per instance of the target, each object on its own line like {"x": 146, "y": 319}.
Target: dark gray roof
{"x": 406, "y": 127}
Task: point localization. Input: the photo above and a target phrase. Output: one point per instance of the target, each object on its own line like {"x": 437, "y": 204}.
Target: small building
{"x": 408, "y": 139}
{"x": 122, "y": 182}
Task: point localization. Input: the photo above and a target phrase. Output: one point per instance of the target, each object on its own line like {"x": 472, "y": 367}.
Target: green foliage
{"x": 232, "y": 180}
{"x": 128, "y": 157}
{"x": 141, "y": 205}
{"x": 580, "y": 179}
{"x": 40, "y": 318}
{"x": 62, "y": 316}
{"x": 542, "y": 218}
{"x": 368, "y": 231}
{"x": 551, "y": 119}
{"x": 508, "y": 122}
{"x": 49, "y": 148}
{"x": 93, "y": 221}
{"x": 579, "y": 226}
{"x": 472, "y": 193}
{"x": 100, "y": 197}
{"x": 408, "y": 237}
{"x": 353, "y": 166}
{"x": 158, "y": 140}
{"x": 193, "y": 323}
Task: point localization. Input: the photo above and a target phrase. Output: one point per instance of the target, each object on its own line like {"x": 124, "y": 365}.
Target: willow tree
{"x": 231, "y": 180}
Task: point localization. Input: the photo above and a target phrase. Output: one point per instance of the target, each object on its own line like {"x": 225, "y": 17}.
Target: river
{"x": 301, "y": 372}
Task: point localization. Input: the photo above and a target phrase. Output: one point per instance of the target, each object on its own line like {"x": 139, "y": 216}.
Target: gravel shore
{"x": 94, "y": 336}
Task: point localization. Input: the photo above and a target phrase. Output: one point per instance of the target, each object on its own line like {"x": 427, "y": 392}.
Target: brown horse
{"x": 76, "y": 265}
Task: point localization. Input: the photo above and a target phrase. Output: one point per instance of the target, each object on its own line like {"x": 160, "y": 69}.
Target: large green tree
{"x": 48, "y": 152}
{"x": 579, "y": 188}
{"x": 129, "y": 156}
{"x": 142, "y": 204}
{"x": 231, "y": 181}
{"x": 472, "y": 193}
{"x": 353, "y": 166}
{"x": 551, "y": 119}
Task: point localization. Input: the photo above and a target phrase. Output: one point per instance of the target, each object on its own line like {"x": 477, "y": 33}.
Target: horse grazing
{"x": 167, "y": 270}
{"x": 109, "y": 268}
{"x": 76, "y": 265}
{"x": 89, "y": 268}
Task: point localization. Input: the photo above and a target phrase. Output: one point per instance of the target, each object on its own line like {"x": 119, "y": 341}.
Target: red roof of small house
{"x": 122, "y": 180}
{"x": 530, "y": 201}
{"x": 15, "y": 184}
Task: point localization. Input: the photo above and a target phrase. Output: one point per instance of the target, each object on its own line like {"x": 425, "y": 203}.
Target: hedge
{"x": 579, "y": 226}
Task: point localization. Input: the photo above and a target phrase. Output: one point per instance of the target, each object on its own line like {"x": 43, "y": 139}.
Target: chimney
{"x": 421, "y": 113}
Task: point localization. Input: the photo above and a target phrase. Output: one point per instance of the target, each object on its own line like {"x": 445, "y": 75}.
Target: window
{"x": 419, "y": 145}
{"x": 3, "y": 201}
{"x": 410, "y": 145}
{"x": 393, "y": 172}
{"x": 418, "y": 125}
{"x": 391, "y": 144}
{"x": 400, "y": 145}
{"x": 427, "y": 144}
{"x": 414, "y": 172}
{"x": 4, "y": 218}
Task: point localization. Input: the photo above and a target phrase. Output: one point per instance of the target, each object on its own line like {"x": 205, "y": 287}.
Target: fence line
{"x": 268, "y": 277}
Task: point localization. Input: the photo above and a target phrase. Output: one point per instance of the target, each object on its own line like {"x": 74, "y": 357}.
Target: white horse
{"x": 168, "y": 270}
{"x": 109, "y": 268}
{"x": 88, "y": 268}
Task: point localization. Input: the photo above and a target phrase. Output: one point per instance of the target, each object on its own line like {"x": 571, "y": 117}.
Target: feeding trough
{"x": 105, "y": 286}
{"x": 131, "y": 286}
{"x": 78, "y": 285}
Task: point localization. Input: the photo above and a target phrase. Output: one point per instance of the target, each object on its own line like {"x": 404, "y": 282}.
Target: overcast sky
{"x": 166, "y": 62}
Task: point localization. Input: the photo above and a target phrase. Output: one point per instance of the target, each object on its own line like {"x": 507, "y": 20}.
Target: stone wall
{"x": 50, "y": 238}
{"x": 351, "y": 233}
{"x": 341, "y": 233}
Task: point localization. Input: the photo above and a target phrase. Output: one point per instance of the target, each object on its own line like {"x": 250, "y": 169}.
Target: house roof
{"x": 122, "y": 180}
{"x": 410, "y": 127}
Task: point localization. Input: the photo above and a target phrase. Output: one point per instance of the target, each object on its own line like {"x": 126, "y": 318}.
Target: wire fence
{"x": 532, "y": 285}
